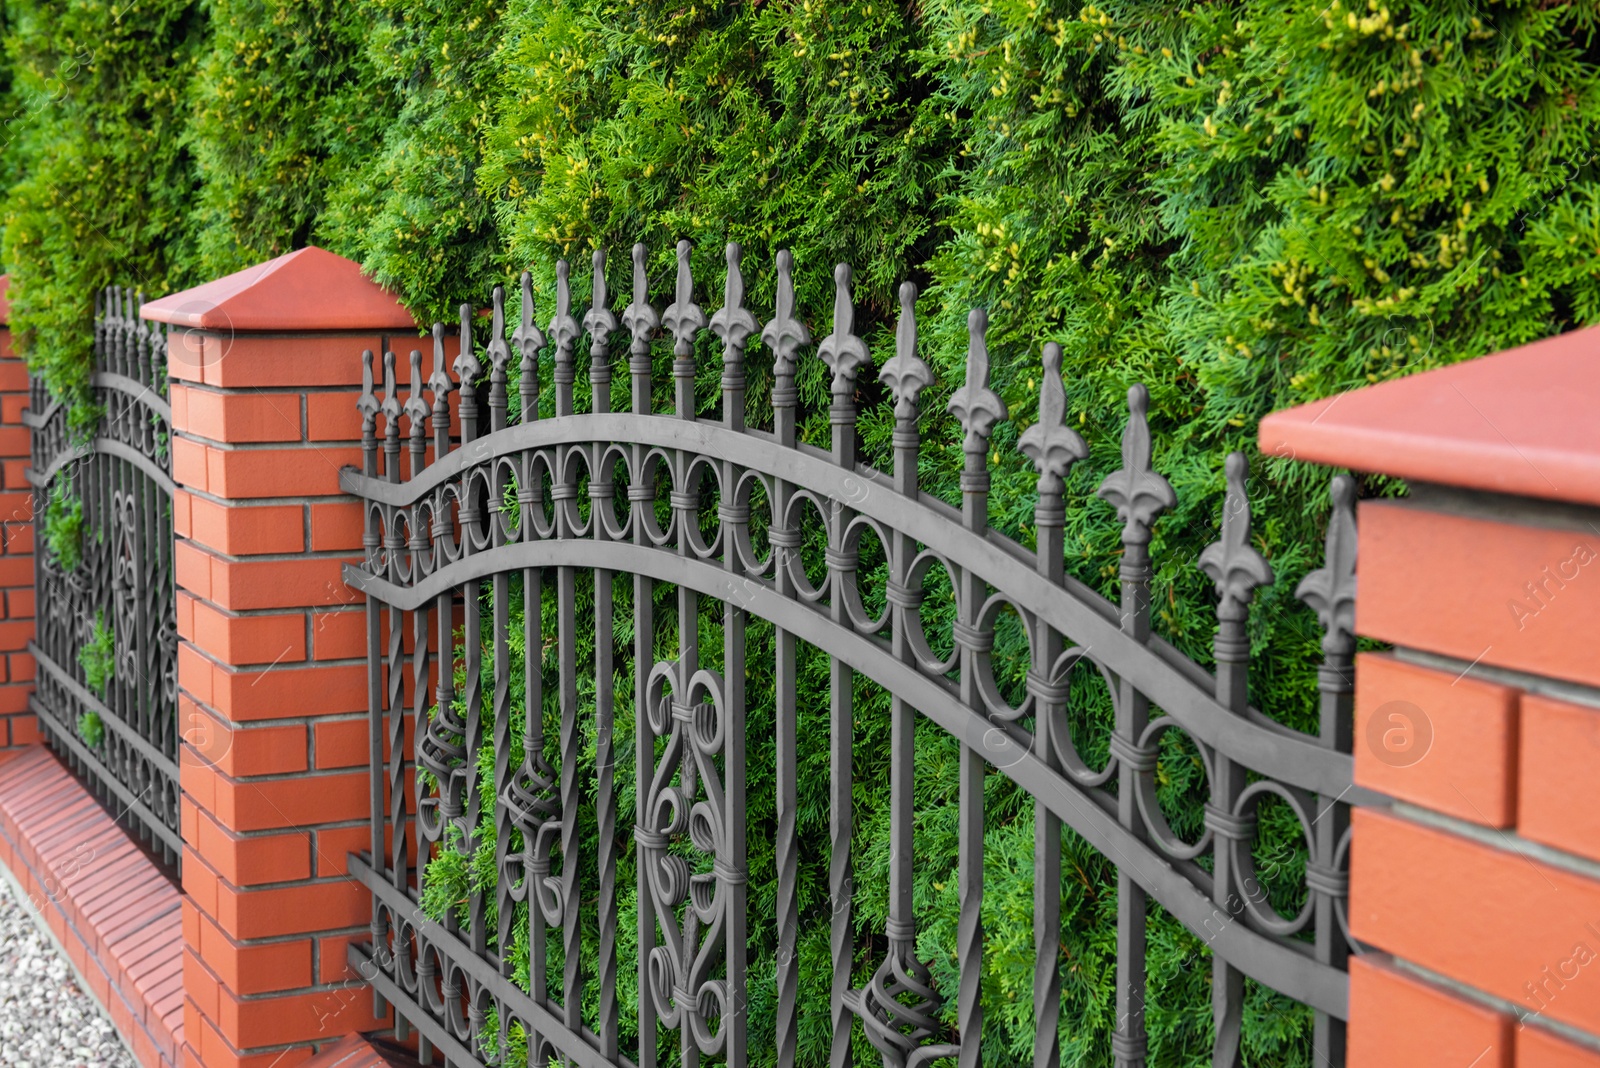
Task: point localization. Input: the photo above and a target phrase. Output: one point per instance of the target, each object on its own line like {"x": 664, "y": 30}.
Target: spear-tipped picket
{"x": 845, "y": 354}
{"x": 784, "y": 336}
{"x": 1331, "y": 592}
{"x": 439, "y": 385}
{"x": 907, "y": 376}
{"x": 1053, "y": 447}
{"x": 600, "y": 321}
{"x": 1051, "y": 444}
{"x": 499, "y": 353}
{"x": 1136, "y": 490}
{"x": 1231, "y": 562}
{"x": 1237, "y": 570}
{"x": 367, "y": 405}
{"x": 391, "y": 419}
{"x": 1331, "y": 589}
{"x": 642, "y": 321}
{"x": 564, "y": 330}
{"x": 417, "y": 412}
{"x": 684, "y": 320}
{"x": 1139, "y": 495}
{"x": 734, "y": 324}
{"x": 468, "y": 370}
{"x": 529, "y": 339}
{"x": 978, "y": 408}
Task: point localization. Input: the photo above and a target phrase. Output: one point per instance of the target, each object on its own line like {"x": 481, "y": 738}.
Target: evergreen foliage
{"x": 105, "y": 185}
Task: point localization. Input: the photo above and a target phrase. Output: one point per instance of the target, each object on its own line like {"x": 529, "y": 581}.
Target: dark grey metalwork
{"x": 506, "y": 502}
{"x": 122, "y": 582}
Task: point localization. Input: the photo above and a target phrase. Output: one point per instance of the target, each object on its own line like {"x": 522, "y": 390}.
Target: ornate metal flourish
{"x": 684, "y": 802}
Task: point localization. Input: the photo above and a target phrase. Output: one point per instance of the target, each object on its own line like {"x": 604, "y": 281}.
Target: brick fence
{"x": 1479, "y": 885}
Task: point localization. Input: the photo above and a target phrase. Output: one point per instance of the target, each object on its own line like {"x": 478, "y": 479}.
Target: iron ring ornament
{"x": 509, "y": 502}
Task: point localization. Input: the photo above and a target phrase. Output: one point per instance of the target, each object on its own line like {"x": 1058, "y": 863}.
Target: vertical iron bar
{"x": 1139, "y": 495}
{"x": 600, "y": 322}
{"x": 844, "y": 353}
{"x": 734, "y": 325}
{"x": 1331, "y": 591}
{"x": 978, "y": 408}
{"x": 784, "y": 335}
{"x": 499, "y": 353}
{"x": 1053, "y": 447}
{"x": 563, "y": 332}
{"x": 1237, "y": 569}
{"x": 642, "y": 320}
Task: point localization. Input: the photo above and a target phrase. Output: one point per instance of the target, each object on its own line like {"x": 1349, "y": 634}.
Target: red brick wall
{"x": 17, "y": 726}
{"x": 1481, "y": 885}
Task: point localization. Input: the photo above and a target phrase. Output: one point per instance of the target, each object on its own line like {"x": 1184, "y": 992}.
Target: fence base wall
{"x": 108, "y": 907}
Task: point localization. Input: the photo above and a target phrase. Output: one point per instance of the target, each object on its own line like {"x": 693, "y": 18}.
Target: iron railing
{"x": 510, "y": 509}
{"x": 106, "y": 642}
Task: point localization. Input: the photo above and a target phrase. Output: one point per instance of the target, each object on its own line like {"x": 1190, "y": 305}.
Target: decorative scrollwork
{"x": 685, "y": 800}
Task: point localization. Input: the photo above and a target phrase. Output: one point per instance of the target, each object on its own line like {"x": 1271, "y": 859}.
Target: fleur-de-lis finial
{"x": 1051, "y": 444}
{"x": 785, "y": 334}
{"x": 466, "y": 366}
{"x": 905, "y": 373}
{"x": 1231, "y": 561}
{"x": 842, "y": 350}
{"x": 1138, "y": 493}
{"x": 439, "y": 381}
{"x": 1331, "y": 589}
{"x": 528, "y": 337}
{"x": 977, "y": 407}
{"x": 599, "y": 321}
{"x": 529, "y": 340}
{"x": 683, "y": 317}
{"x": 564, "y": 329}
{"x": 499, "y": 351}
{"x": 367, "y": 403}
{"x": 391, "y": 402}
{"x": 733, "y": 323}
{"x": 417, "y": 409}
{"x": 639, "y": 317}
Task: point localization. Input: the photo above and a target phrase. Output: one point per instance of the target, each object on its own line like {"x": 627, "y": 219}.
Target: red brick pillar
{"x": 272, "y": 671}
{"x": 1477, "y": 886}
{"x": 17, "y": 726}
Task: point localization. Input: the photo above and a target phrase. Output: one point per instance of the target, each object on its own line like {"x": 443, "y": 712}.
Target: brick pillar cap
{"x": 305, "y": 290}
{"x": 1525, "y": 421}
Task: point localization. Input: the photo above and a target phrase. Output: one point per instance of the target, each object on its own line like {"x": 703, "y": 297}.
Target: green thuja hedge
{"x": 1245, "y": 205}
{"x": 104, "y": 180}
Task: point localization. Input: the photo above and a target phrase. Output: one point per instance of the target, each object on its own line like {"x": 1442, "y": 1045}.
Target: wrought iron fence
{"x": 106, "y": 642}
{"x": 715, "y": 514}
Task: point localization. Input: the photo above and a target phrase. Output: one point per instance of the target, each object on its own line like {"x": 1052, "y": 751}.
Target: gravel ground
{"x": 46, "y": 1020}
